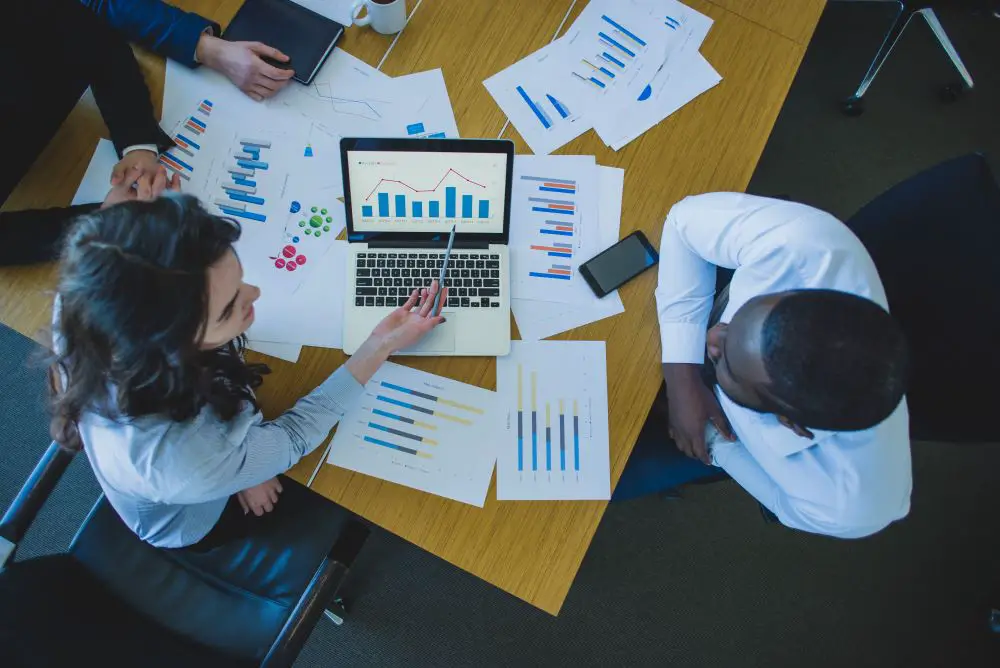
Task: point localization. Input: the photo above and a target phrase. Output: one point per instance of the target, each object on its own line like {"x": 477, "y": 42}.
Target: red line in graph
{"x": 450, "y": 171}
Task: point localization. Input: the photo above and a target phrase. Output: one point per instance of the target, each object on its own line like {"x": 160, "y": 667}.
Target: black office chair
{"x": 854, "y": 105}
{"x": 114, "y": 600}
{"x": 934, "y": 239}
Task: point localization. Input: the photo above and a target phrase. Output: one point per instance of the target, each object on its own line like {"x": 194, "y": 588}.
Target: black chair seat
{"x": 934, "y": 239}
{"x": 56, "y": 613}
{"x": 234, "y": 598}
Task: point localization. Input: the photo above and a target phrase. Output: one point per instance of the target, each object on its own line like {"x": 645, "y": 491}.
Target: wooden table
{"x": 532, "y": 550}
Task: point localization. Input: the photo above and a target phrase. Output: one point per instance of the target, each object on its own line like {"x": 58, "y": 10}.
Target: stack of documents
{"x": 621, "y": 68}
{"x": 564, "y": 210}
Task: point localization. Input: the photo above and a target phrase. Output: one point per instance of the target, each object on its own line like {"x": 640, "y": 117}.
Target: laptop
{"x": 402, "y": 198}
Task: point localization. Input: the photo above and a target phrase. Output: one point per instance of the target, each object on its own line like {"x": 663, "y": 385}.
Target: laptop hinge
{"x": 387, "y": 243}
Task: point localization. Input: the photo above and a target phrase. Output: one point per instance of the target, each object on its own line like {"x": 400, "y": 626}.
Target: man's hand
{"x": 243, "y": 64}
{"x": 261, "y": 498}
{"x": 691, "y": 407}
{"x": 135, "y": 184}
{"x": 146, "y": 161}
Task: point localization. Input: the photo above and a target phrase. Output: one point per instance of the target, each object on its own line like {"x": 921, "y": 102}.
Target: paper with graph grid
{"x": 556, "y": 443}
{"x": 422, "y": 431}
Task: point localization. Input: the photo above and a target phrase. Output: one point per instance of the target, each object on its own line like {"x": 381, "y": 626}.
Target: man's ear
{"x": 795, "y": 426}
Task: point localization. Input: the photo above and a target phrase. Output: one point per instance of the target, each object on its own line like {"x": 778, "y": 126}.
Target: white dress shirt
{"x": 844, "y": 484}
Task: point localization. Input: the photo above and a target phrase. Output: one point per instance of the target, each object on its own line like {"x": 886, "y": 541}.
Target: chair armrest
{"x": 318, "y": 594}
{"x": 32, "y": 497}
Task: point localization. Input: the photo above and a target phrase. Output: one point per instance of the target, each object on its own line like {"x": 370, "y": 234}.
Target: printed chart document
{"x": 423, "y": 431}
{"x": 97, "y": 179}
{"x": 557, "y": 444}
{"x": 553, "y": 226}
{"x": 526, "y": 94}
{"x": 541, "y": 319}
{"x": 313, "y": 315}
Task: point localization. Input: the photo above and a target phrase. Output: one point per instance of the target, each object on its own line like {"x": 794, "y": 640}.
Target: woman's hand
{"x": 137, "y": 185}
{"x": 261, "y": 498}
{"x": 402, "y": 328}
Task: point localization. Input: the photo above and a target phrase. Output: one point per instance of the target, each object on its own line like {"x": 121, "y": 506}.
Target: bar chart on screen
{"x": 557, "y": 444}
{"x": 422, "y": 431}
{"x": 454, "y": 196}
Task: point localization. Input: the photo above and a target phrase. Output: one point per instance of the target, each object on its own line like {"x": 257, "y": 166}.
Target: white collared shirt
{"x": 844, "y": 484}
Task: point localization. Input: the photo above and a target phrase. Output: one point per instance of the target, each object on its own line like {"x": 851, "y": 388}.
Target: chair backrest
{"x": 934, "y": 239}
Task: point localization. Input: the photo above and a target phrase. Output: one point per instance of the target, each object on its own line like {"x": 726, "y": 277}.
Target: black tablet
{"x": 301, "y": 34}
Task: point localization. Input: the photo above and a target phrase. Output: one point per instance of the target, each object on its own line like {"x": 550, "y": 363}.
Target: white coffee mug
{"x": 386, "y": 18}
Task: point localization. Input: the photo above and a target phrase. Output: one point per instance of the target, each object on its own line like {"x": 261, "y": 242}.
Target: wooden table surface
{"x": 530, "y": 549}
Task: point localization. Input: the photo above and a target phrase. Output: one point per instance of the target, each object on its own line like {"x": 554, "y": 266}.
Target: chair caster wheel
{"x": 951, "y": 93}
{"x": 853, "y": 106}
{"x": 336, "y": 611}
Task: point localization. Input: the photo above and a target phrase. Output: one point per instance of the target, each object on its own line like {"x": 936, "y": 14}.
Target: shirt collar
{"x": 778, "y": 438}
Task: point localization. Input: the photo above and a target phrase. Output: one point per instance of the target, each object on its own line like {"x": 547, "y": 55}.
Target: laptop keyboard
{"x": 387, "y": 279}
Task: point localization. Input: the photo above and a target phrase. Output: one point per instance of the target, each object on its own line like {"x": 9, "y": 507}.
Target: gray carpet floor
{"x": 700, "y": 581}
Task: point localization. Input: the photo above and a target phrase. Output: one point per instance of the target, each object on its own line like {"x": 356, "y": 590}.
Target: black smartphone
{"x": 614, "y": 267}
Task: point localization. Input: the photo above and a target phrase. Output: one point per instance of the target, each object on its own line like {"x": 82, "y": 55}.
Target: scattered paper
{"x": 557, "y": 444}
{"x": 619, "y": 60}
{"x": 538, "y": 320}
{"x": 422, "y": 431}
{"x": 314, "y": 314}
{"x": 338, "y": 10}
{"x": 97, "y": 179}
{"x": 283, "y": 351}
{"x": 553, "y": 226}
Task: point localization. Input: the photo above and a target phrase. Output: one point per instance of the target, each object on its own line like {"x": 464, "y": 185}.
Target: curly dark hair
{"x": 133, "y": 293}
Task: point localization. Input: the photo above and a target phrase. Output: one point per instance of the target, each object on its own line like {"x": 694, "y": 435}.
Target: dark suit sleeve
{"x": 115, "y": 78}
{"x": 27, "y": 237}
{"x": 165, "y": 29}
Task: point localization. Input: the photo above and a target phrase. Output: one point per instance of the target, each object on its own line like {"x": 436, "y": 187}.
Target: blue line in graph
{"x": 559, "y": 106}
{"x": 179, "y": 161}
{"x": 386, "y": 444}
{"x": 556, "y": 190}
{"x": 560, "y": 254}
{"x": 547, "y": 210}
{"x": 623, "y": 29}
{"x": 559, "y": 233}
{"x": 188, "y": 142}
{"x": 252, "y": 164}
{"x": 607, "y": 71}
{"x": 598, "y": 82}
{"x": 538, "y": 274}
{"x": 542, "y": 118}
{"x": 534, "y": 440}
{"x": 672, "y": 23}
{"x": 239, "y": 180}
{"x": 244, "y": 214}
{"x": 614, "y": 42}
{"x": 240, "y": 197}
{"x": 576, "y": 442}
{"x": 613, "y": 59}
{"x": 437, "y": 135}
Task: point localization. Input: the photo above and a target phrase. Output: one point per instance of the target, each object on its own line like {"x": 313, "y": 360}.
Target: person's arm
{"x": 792, "y": 512}
{"x": 31, "y": 236}
{"x": 163, "y": 28}
{"x": 212, "y": 460}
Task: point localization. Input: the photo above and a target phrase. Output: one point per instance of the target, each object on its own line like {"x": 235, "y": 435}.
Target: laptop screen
{"x": 422, "y": 191}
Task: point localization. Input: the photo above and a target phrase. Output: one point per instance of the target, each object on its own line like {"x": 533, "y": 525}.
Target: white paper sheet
{"x": 314, "y": 314}
{"x": 527, "y": 96}
{"x": 284, "y": 351}
{"x": 338, "y": 10}
{"x": 673, "y": 87}
{"x": 557, "y": 444}
{"x": 96, "y": 180}
{"x": 423, "y": 431}
{"x": 435, "y": 118}
{"x": 540, "y": 319}
{"x": 553, "y": 226}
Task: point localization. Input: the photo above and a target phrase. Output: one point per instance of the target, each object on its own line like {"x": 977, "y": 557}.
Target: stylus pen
{"x": 444, "y": 269}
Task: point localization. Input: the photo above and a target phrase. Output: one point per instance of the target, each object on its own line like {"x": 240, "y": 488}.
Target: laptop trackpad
{"x": 441, "y": 339}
